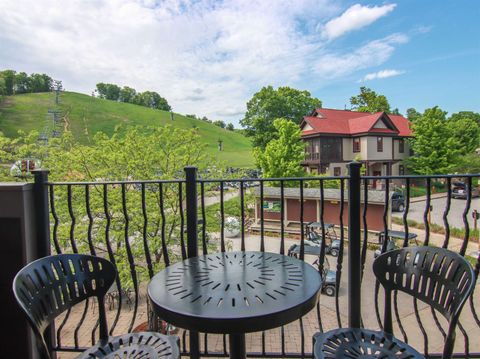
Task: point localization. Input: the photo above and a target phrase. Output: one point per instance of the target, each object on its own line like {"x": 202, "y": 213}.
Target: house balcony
{"x": 145, "y": 226}
{"x": 311, "y": 158}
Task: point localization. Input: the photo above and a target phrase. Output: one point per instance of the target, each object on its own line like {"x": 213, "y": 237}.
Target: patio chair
{"x": 435, "y": 276}
{"x": 49, "y": 286}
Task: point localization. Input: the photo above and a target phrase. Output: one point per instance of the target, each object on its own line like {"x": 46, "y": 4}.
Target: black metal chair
{"x": 49, "y": 286}
{"x": 436, "y": 276}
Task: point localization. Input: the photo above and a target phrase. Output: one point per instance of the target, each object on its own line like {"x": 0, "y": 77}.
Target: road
{"x": 455, "y": 219}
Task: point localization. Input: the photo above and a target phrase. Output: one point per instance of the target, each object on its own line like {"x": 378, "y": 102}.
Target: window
{"x": 337, "y": 171}
{"x": 379, "y": 144}
{"x": 401, "y": 170}
{"x": 401, "y": 145}
{"x": 356, "y": 144}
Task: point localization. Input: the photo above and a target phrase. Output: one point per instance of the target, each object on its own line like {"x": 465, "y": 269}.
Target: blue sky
{"x": 209, "y": 57}
{"x": 441, "y": 60}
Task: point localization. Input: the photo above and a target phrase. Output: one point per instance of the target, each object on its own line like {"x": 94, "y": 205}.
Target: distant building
{"x": 336, "y": 137}
{"x": 272, "y": 208}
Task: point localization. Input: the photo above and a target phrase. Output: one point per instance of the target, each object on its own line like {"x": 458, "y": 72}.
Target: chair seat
{"x": 143, "y": 345}
{"x": 360, "y": 343}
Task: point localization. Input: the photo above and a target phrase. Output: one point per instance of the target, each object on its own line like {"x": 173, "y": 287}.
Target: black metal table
{"x": 235, "y": 293}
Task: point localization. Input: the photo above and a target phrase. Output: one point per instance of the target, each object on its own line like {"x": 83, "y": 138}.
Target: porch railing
{"x": 144, "y": 226}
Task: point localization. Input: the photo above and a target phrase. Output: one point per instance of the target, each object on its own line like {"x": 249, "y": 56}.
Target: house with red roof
{"x": 335, "y": 137}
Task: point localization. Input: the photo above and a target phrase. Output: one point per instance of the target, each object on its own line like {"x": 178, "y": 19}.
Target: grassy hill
{"x": 87, "y": 115}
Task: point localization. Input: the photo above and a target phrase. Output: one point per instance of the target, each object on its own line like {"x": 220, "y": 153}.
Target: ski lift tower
{"x": 58, "y": 87}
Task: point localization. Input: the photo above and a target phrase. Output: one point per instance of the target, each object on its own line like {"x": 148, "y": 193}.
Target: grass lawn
{"x": 86, "y": 115}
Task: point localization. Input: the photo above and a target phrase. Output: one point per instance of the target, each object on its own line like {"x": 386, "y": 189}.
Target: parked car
{"x": 398, "y": 202}
{"x": 460, "y": 190}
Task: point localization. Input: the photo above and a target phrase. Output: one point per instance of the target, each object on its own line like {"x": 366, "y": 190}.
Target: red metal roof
{"x": 343, "y": 122}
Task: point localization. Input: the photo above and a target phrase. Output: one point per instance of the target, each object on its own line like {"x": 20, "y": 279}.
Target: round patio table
{"x": 235, "y": 293}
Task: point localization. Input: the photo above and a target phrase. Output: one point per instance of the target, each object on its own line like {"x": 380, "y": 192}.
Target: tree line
{"x": 128, "y": 94}
{"x": 219, "y": 123}
{"x": 12, "y": 82}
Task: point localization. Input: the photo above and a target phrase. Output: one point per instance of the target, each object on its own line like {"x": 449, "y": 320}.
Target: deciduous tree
{"x": 9, "y": 78}
{"x": 369, "y": 101}
{"x": 108, "y": 91}
{"x": 466, "y": 132}
{"x": 219, "y": 123}
{"x": 159, "y": 153}
{"x": 413, "y": 114}
{"x": 282, "y": 156}
{"x": 127, "y": 94}
{"x": 22, "y": 82}
{"x": 435, "y": 149}
{"x": 269, "y": 104}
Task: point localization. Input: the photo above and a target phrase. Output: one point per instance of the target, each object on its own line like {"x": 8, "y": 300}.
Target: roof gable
{"x": 345, "y": 122}
{"x": 380, "y": 124}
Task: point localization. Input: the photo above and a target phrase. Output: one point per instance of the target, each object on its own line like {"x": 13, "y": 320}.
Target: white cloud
{"x": 354, "y": 18}
{"x": 206, "y": 57}
{"x": 382, "y": 74}
{"x": 374, "y": 53}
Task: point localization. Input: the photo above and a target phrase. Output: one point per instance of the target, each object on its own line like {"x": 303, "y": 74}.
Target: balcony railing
{"x": 312, "y": 156}
{"x": 144, "y": 226}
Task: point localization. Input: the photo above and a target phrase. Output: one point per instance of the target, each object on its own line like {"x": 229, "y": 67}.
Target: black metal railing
{"x": 144, "y": 226}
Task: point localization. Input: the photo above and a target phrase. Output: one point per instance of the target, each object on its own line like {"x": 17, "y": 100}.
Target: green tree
{"x": 282, "y": 156}
{"x": 219, "y": 123}
{"x": 230, "y": 127}
{"x": 466, "y": 114}
{"x": 22, "y": 83}
{"x": 153, "y": 100}
{"x": 140, "y": 153}
{"x": 3, "y": 88}
{"x": 9, "y": 78}
{"x": 108, "y": 91}
{"x": 435, "y": 149}
{"x": 369, "y": 101}
{"x": 127, "y": 94}
{"x": 269, "y": 104}
{"x": 466, "y": 132}
{"x": 413, "y": 114}
{"x": 40, "y": 83}
{"x": 468, "y": 164}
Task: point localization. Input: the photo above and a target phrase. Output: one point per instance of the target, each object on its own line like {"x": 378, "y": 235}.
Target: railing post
{"x": 42, "y": 212}
{"x": 354, "y": 250}
{"x": 42, "y": 224}
{"x": 192, "y": 239}
{"x": 191, "y": 205}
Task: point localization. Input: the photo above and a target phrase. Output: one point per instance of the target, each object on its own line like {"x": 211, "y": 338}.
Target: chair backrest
{"x": 48, "y": 286}
{"x": 436, "y": 276}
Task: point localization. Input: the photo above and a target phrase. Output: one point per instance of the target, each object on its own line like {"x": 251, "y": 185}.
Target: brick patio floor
{"x": 293, "y": 337}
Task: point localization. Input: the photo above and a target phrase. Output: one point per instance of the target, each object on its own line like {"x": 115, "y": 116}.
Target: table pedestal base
{"x": 237, "y": 346}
